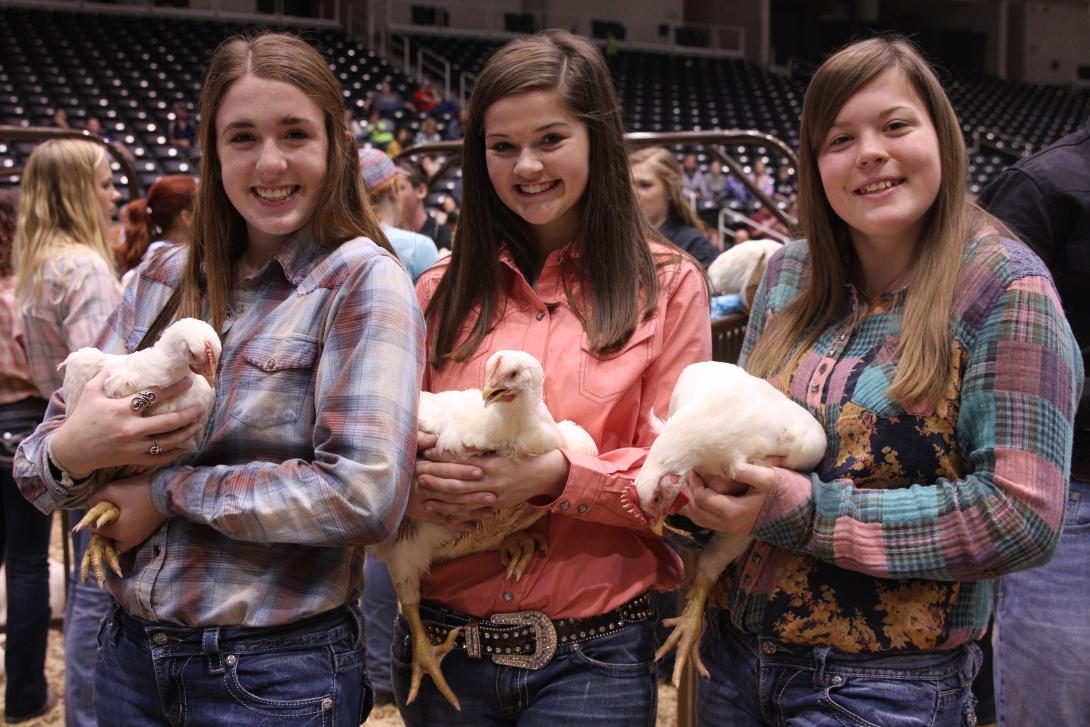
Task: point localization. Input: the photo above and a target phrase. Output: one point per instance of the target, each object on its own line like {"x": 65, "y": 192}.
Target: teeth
{"x": 274, "y": 194}
{"x": 534, "y": 188}
{"x": 878, "y": 186}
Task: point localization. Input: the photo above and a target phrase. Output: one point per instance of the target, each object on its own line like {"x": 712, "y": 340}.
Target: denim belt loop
{"x": 210, "y": 643}
{"x": 821, "y": 656}
{"x": 357, "y": 621}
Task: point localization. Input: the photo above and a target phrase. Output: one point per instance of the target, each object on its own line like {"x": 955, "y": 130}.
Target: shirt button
{"x": 231, "y": 660}
{"x": 159, "y": 638}
{"x": 157, "y": 550}
{"x": 815, "y": 388}
{"x": 823, "y": 368}
{"x": 565, "y": 505}
{"x": 270, "y": 364}
{"x": 540, "y": 314}
{"x": 327, "y": 704}
{"x": 838, "y": 680}
{"x": 768, "y": 648}
{"x": 508, "y": 597}
{"x": 582, "y": 509}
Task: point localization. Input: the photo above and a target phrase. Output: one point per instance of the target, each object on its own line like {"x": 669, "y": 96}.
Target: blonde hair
{"x": 924, "y": 349}
{"x": 58, "y": 209}
{"x": 665, "y": 167}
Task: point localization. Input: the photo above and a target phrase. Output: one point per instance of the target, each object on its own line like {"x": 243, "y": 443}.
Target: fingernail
{"x": 475, "y": 473}
{"x": 489, "y": 499}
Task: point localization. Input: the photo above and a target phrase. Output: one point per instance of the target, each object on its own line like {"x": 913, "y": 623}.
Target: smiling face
{"x": 879, "y": 163}
{"x": 538, "y": 157}
{"x": 272, "y": 146}
{"x": 651, "y": 192}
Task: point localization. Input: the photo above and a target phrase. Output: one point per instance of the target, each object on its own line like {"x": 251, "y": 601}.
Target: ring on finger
{"x": 142, "y": 400}
{"x": 155, "y": 448}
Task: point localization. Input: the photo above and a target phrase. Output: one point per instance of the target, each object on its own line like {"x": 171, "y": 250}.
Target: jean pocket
{"x": 297, "y": 683}
{"x": 629, "y": 652}
{"x": 886, "y": 701}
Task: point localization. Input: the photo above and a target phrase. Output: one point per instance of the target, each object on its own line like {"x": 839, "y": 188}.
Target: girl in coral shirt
{"x": 552, "y": 256}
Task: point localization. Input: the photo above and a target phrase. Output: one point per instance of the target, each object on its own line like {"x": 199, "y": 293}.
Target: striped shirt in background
{"x": 74, "y": 299}
{"x": 15, "y": 381}
{"x": 310, "y": 449}
{"x": 892, "y": 543}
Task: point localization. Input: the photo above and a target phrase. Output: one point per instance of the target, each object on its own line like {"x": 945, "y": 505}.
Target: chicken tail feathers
{"x": 657, "y": 423}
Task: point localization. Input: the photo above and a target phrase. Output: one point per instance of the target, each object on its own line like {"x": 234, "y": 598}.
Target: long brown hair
{"x": 219, "y": 232}
{"x": 616, "y": 272}
{"x": 147, "y": 218}
{"x": 924, "y": 348}
{"x": 665, "y": 167}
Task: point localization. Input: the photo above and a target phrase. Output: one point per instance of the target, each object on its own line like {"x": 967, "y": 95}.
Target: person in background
{"x": 692, "y": 179}
{"x": 380, "y": 130}
{"x": 785, "y": 188}
{"x": 715, "y": 181}
{"x": 553, "y": 257}
{"x": 425, "y": 98}
{"x": 95, "y": 127}
{"x": 24, "y": 532}
{"x": 429, "y": 132}
{"x": 355, "y": 127}
{"x": 762, "y": 178}
{"x": 1041, "y": 633}
{"x": 246, "y": 562}
{"x": 455, "y": 127}
{"x": 415, "y": 217}
{"x": 60, "y": 118}
{"x": 387, "y": 100}
{"x": 932, "y": 347}
{"x": 182, "y": 130}
{"x": 66, "y": 289}
{"x": 159, "y": 221}
{"x": 657, "y": 177}
{"x": 380, "y": 179}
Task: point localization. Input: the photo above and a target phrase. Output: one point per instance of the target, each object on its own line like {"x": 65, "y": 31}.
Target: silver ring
{"x": 155, "y": 448}
{"x": 142, "y": 400}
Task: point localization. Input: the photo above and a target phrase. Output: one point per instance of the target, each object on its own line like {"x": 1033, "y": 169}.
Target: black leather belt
{"x": 526, "y": 639}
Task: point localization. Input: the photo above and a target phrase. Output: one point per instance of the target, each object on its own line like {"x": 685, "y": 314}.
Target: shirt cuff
{"x": 581, "y": 491}
{"x": 787, "y": 516}
{"x": 160, "y": 490}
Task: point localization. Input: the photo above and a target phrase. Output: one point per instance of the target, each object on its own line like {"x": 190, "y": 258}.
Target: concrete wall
{"x": 1055, "y": 41}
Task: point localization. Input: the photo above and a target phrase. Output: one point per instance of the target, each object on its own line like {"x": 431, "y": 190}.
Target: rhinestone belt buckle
{"x": 544, "y": 639}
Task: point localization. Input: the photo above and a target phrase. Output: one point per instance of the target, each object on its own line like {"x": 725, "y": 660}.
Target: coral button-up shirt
{"x": 599, "y": 556}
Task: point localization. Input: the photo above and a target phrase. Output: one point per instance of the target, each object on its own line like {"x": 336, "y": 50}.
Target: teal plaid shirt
{"x": 893, "y": 542}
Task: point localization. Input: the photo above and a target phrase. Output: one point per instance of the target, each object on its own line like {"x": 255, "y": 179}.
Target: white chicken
{"x": 188, "y": 347}
{"x": 719, "y": 416}
{"x": 508, "y": 417}
{"x": 741, "y": 266}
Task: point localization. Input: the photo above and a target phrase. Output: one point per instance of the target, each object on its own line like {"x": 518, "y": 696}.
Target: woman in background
{"x": 162, "y": 219}
{"x": 24, "y": 532}
{"x": 657, "y": 177}
{"x": 66, "y": 290}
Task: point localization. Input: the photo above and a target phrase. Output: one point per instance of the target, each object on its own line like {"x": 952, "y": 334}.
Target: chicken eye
{"x": 511, "y": 375}
{"x": 657, "y": 499}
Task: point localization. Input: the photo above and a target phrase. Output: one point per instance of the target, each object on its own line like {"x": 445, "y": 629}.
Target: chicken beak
{"x": 657, "y": 524}
{"x": 492, "y": 394}
{"x": 210, "y": 365}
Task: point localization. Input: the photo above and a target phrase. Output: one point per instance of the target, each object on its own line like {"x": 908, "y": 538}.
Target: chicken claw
{"x": 427, "y": 658}
{"x": 102, "y": 513}
{"x": 98, "y": 547}
{"x": 687, "y": 629}
{"x": 518, "y": 549}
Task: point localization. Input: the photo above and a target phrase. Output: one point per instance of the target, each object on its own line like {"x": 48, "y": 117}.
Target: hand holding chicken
{"x": 509, "y": 419}
{"x": 188, "y": 348}
{"x": 721, "y": 419}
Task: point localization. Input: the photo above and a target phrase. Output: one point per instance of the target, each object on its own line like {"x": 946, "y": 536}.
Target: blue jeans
{"x": 24, "y": 548}
{"x": 1042, "y": 631}
{"x": 609, "y": 680}
{"x": 379, "y": 613}
{"x": 87, "y": 606}
{"x": 307, "y": 674}
{"x": 760, "y": 681}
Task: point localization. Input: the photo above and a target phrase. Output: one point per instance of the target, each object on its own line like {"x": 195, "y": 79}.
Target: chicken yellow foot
{"x": 518, "y": 549}
{"x": 687, "y": 629}
{"x": 427, "y": 658}
{"x": 99, "y": 549}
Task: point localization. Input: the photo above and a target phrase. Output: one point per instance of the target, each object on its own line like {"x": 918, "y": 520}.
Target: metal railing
{"x": 431, "y": 64}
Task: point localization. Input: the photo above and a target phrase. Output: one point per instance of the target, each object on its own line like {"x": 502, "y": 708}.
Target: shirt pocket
{"x": 275, "y": 381}
{"x": 604, "y": 377}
